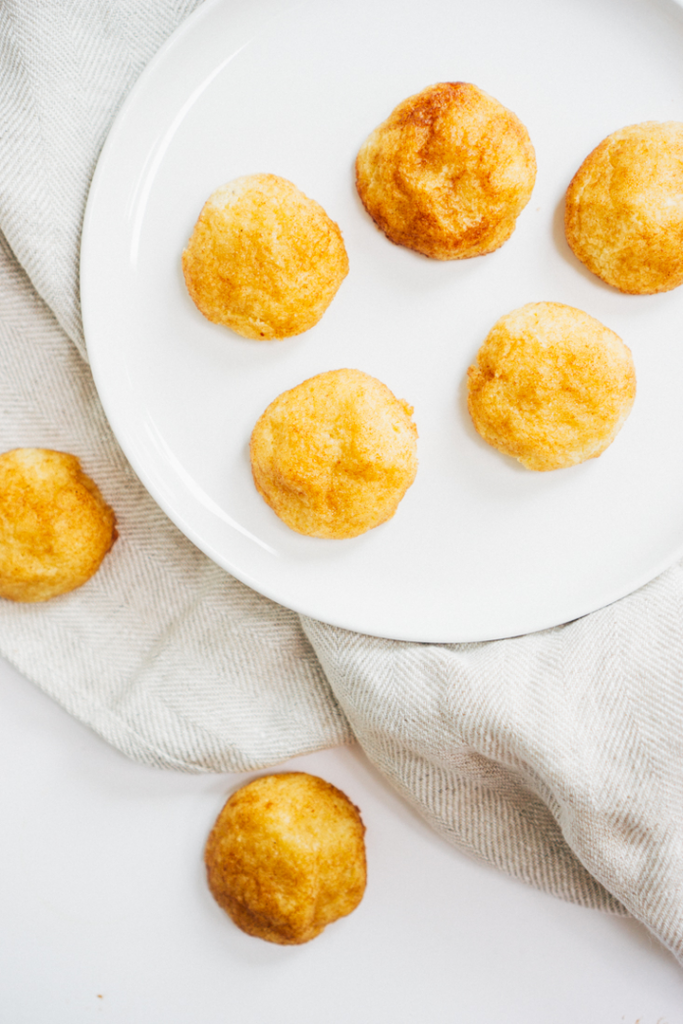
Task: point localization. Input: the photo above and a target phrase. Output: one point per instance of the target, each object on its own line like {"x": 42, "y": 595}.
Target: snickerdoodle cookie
{"x": 264, "y": 259}
{"x": 551, "y": 386}
{"x": 448, "y": 172}
{"x": 334, "y": 456}
{"x": 286, "y": 857}
{"x": 55, "y": 526}
{"x": 624, "y": 208}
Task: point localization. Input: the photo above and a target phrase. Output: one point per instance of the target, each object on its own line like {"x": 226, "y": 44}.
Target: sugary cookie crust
{"x": 448, "y": 172}
{"x": 624, "y": 208}
{"x": 551, "y": 386}
{"x": 264, "y": 259}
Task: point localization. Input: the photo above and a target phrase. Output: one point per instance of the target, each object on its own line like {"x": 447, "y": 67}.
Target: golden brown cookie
{"x": 334, "y": 456}
{"x": 624, "y": 208}
{"x": 551, "y": 386}
{"x": 264, "y": 259}
{"x": 448, "y": 172}
{"x": 55, "y": 527}
{"x": 286, "y": 857}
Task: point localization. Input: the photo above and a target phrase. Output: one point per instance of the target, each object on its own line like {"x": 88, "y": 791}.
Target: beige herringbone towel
{"x": 556, "y": 756}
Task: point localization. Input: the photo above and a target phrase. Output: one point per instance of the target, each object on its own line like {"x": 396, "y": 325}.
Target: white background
{"x": 105, "y": 915}
{"x": 104, "y": 911}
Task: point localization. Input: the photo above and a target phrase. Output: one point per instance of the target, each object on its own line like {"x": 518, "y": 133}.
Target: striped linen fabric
{"x": 557, "y": 757}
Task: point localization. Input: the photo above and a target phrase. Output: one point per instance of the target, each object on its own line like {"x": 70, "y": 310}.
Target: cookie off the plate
{"x": 286, "y": 857}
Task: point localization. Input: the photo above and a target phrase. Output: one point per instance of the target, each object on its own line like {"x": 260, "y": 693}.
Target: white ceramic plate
{"x": 479, "y": 548}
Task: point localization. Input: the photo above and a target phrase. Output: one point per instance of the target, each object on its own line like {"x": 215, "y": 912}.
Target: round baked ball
{"x": 286, "y": 857}
{"x": 551, "y": 386}
{"x": 624, "y": 208}
{"x": 448, "y": 172}
{"x": 334, "y": 456}
{"x": 55, "y": 526}
{"x": 264, "y": 259}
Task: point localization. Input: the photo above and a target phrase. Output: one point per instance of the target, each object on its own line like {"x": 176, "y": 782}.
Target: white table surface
{"x": 105, "y": 915}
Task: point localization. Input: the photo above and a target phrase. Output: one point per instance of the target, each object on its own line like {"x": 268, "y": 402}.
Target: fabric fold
{"x": 555, "y": 756}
